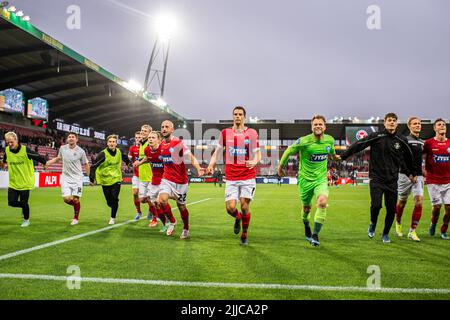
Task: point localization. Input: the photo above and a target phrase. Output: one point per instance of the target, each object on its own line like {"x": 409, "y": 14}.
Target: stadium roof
{"x": 78, "y": 90}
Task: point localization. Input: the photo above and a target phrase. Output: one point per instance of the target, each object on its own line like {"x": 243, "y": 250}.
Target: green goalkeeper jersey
{"x": 313, "y": 156}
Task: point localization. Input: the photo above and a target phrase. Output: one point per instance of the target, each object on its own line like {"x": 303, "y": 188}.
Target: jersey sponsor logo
{"x": 167, "y": 159}
{"x": 157, "y": 165}
{"x": 318, "y": 157}
{"x": 15, "y": 163}
{"x": 361, "y": 134}
{"x": 237, "y": 151}
{"x": 441, "y": 158}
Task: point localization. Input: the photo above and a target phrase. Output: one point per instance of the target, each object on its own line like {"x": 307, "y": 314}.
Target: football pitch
{"x": 132, "y": 261}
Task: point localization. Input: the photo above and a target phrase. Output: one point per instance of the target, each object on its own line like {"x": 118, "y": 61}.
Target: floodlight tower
{"x": 155, "y": 77}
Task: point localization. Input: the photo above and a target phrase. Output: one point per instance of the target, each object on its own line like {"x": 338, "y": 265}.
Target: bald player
{"x": 174, "y": 183}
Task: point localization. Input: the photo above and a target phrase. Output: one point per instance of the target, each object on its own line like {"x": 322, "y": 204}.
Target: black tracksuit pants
{"x": 111, "y": 194}
{"x": 19, "y": 199}
{"x": 377, "y": 190}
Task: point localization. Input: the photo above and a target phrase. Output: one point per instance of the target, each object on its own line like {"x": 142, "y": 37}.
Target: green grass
{"x": 277, "y": 252}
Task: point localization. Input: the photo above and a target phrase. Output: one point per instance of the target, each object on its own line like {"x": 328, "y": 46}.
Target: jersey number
{"x": 182, "y": 197}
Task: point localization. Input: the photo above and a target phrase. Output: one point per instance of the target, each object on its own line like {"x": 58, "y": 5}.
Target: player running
{"x": 133, "y": 155}
{"x": 242, "y": 156}
{"x": 388, "y": 151}
{"x": 153, "y": 156}
{"x": 21, "y": 174}
{"x": 73, "y": 159}
{"x": 437, "y": 173}
{"x": 407, "y": 186}
{"x": 107, "y": 172}
{"x": 314, "y": 150}
{"x": 145, "y": 175}
{"x": 174, "y": 183}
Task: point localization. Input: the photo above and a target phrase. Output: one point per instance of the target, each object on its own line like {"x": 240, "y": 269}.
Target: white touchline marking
{"x": 224, "y": 285}
{"x": 54, "y": 243}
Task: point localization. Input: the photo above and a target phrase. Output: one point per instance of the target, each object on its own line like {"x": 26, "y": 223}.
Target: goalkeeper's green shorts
{"x": 309, "y": 189}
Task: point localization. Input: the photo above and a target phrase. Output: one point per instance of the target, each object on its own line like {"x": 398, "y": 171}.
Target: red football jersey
{"x": 239, "y": 147}
{"x": 134, "y": 154}
{"x": 157, "y": 164}
{"x": 173, "y": 153}
{"x": 437, "y": 162}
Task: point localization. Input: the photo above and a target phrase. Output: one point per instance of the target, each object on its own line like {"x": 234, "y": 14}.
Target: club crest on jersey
{"x": 441, "y": 158}
{"x": 247, "y": 141}
{"x": 448, "y": 150}
{"x": 318, "y": 157}
{"x": 171, "y": 150}
{"x": 328, "y": 149}
{"x": 396, "y": 145}
{"x": 160, "y": 157}
{"x": 361, "y": 134}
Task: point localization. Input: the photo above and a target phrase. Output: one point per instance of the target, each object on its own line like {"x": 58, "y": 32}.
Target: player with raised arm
{"x": 242, "y": 151}
{"x": 21, "y": 174}
{"x": 153, "y": 156}
{"x": 174, "y": 183}
{"x": 107, "y": 172}
{"x": 388, "y": 152}
{"x": 133, "y": 155}
{"x": 73, "y": 159}
{"x": 437, "y": 175}
{"x": 314, "y": 150}
{"x": 406, "y": 186}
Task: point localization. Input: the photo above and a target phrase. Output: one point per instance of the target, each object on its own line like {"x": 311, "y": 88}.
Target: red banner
{"x": 49, "y": 180}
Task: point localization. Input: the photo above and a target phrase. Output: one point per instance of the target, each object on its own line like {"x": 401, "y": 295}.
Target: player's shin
{"x": 245, "y": 224}
{"x": 319, "y": 219}
{"x": 185, "y": 217}
{"x": 417, "y": 214}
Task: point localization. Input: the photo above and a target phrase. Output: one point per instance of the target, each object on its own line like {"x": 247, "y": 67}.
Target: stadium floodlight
{"x": 12, "y": 9}
{"x": 19, "y": 13}
{"x": 159, "y": 102}
{"x": 26, "y": 18}
{"x": 133, "y": 85}
{"x": 165, "y": 26}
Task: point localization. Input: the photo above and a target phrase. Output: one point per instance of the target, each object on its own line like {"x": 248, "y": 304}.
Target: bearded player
{"x": 314, "y": 150}
{"x": 174, "y": 183}
{"x": 242, "y": 151}
{"x": 153, "y": 156}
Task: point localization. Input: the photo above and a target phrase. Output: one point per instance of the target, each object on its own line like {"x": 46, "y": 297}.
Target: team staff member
{"x": 107, "y": 171}
{"x": 388, "y": 151}
{"x": 21, "y": 174}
